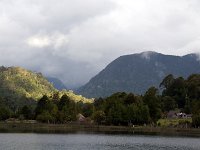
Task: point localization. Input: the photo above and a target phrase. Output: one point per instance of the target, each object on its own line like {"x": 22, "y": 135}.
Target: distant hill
{"x": 20, "y": 86}
{"x": 137, "y": 72}
{"x": 17, "y": 82}
{"x": 58, "y": 84}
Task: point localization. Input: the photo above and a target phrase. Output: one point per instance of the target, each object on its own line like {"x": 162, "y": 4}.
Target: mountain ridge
{"x": 136, "y": 72}
{"x": 19, "y": 86}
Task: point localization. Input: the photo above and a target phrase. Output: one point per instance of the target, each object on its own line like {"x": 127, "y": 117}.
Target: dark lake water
{"x": 79, "y": 141}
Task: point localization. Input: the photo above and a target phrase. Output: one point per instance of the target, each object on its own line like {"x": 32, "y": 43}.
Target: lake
{"x": 83, "y": 141}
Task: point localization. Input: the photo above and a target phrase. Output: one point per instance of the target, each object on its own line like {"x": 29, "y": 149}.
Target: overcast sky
{"x": 74, "y": 39}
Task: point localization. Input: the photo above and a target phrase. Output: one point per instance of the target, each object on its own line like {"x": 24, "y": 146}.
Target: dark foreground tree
{"x": 151, "y": 99}
{"x": 5, "y": 113}
{"x": 99, "y": 117}
{"x": 26, "y": 112}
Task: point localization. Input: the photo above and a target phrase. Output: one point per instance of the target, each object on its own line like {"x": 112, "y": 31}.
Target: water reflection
{"x": 95, "y": 142}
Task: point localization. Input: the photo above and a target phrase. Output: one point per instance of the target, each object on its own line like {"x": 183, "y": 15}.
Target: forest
{"x": 118, "y": 109}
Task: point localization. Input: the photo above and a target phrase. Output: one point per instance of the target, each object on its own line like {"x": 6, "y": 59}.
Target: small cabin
{"x": 172, "y": 114}
{"x": 184, "y": 115}
{"x": 175, "y": 114}
{"x": 81, "y": 118}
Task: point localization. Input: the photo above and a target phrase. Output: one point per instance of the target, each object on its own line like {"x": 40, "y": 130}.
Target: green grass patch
{"x": 173, "y": 122}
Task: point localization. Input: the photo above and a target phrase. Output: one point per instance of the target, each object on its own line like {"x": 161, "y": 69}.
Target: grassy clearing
{"x": 173, "y": 122}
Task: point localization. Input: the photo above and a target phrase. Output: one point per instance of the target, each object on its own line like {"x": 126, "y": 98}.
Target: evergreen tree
{"x": 152, "y": 100}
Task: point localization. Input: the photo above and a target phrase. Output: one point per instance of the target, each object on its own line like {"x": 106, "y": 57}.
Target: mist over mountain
{"x": 57, "y": 83}
{"x": 137, "y": 72}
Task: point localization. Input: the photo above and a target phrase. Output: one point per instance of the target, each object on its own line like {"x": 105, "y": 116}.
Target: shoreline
{"x": 97, "y": 129}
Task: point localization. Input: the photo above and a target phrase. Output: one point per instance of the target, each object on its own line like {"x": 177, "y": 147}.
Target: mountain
{"x": 137, "y": 72}
{"x": 20, "y": 86}
{"x": 58, "y": 84}
{"x": 17, "y": 82}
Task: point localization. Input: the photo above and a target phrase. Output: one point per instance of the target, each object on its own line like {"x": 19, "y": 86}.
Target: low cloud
{"x": 147, "y": 55}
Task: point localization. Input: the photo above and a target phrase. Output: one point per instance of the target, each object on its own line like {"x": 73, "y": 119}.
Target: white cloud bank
{"x": 73, "y": 40}
{"x": 55, "y": 41}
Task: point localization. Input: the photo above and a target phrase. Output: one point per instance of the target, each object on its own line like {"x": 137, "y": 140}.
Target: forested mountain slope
{"x": 137, "y": 72}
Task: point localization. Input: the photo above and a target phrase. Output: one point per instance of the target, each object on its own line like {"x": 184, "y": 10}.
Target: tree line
{"x": 53, "y": 109}
{"x": 120, "y": 108}
{"x": 174, "y": 94}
